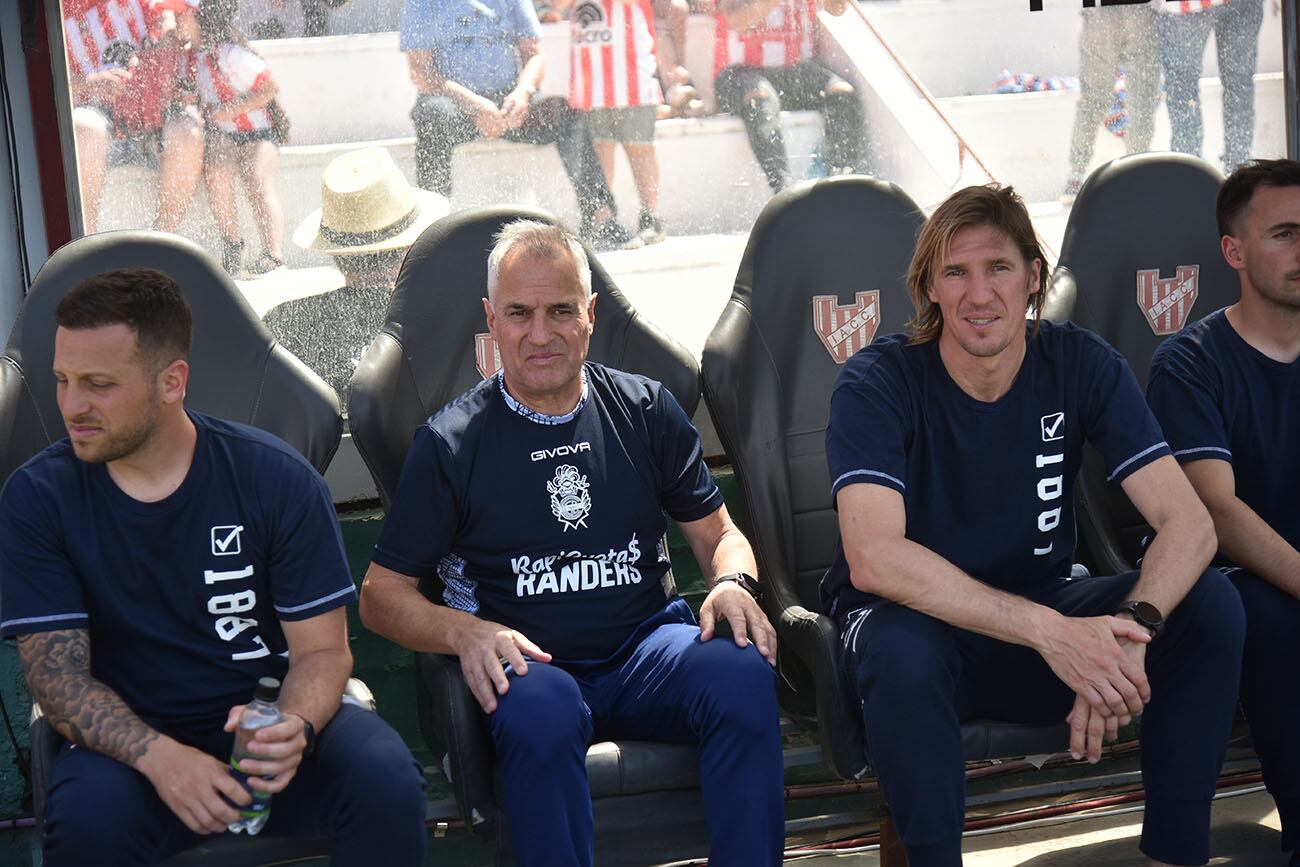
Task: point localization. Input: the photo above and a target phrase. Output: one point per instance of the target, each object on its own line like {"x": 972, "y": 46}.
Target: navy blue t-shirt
{"x": 182, "y": 598}
{"x": 551, "y": 524}
{"x": 987, "y": 486}
{"x": 1218, "y": 397}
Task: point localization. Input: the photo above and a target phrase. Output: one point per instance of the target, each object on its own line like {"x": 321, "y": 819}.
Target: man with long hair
{"x": 952, "y": 451}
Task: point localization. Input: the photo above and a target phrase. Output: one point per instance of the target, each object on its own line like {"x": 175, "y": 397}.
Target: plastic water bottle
{"x": 259, "y": 713}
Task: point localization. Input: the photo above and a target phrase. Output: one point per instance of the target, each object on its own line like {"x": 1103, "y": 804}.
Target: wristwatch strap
{"x": 746, "y": 581}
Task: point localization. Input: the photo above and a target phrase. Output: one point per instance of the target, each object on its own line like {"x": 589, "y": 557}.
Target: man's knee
{"x": 899, "y": 655}
{"x": 760, "y": 99}
{"x": 743, "y": 90}
{"x": 742, "y": 689}
{"x": 87, "y": 122}
{"x": 183, "y": 129}
{"x": 432, "y": 114}
{"x": 1213, "y": 610}
{"x": 386, "y": 779}
{"x": 542, "y": 709}
{"x": 1272, "y": 614}
{"x": 97, "y": 805}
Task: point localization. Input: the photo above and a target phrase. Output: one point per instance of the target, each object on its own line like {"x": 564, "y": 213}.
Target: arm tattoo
{"x": 81, "y": 708}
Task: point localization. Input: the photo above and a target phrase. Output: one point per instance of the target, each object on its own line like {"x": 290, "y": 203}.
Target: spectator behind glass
{"x": 123, "y": 56}
{"x": 680, "y": 96}
{"x": 1113, "y": 38}
{"x": 1182, "y": 31}
{"x": 244, "y": 128}
{"x": 476, "y": 65}
{"x": 612, "y": 79}
{"x": 764, "y": 54}
{"x": 369, "y": 216}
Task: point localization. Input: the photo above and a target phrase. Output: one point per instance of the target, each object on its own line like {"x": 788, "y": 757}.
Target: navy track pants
{"x": 1270, "y": 692}
{"x": 673, "y": 688}
{"x": 920, "y": 678}
{"x": 360, "y": 787}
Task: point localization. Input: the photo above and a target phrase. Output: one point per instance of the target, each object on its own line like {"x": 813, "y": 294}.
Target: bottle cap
{"x": 268, "y": 689}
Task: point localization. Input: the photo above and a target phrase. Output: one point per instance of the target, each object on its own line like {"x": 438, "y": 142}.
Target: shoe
{"x": 610, "y": 235}
{"x": 232, "y": 257}
{"x": 1072, "y": 186}
{"x": 651, "y": 229}
{"x": 264, "y": 264}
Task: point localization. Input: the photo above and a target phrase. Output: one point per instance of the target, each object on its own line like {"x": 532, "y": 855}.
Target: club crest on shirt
{"x": 570, "y": 500}
{"x": 589, "y": 14}
{"x": 846, "y": 328}
{"x": 487, "y": 358}
{"x": 1167, "y": 301}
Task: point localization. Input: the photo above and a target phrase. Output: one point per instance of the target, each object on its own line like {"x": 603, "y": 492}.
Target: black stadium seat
{"x": 823, "y": 273}
{"x": 1140, "y": 260}
{"x": 434, "y": 347}
{"x": 238, "y": 372}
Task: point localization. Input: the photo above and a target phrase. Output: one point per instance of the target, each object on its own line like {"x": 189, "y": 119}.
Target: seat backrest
{"x": 435, "y": 345}
{"x": 824, "y": 272}
{"x": 237, "y": 370}
{"x": 1140, "y": 260}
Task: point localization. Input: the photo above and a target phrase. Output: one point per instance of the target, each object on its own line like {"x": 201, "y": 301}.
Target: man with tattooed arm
{"x": 153, "y": 566}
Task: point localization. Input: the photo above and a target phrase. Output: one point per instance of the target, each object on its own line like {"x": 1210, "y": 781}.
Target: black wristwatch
{"x": 1145, "y": 615}
{"x": 308, "y": 732}
{"x": 745, "y": 581}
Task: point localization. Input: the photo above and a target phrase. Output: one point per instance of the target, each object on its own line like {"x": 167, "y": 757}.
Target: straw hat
{"x": 367, "y": 206}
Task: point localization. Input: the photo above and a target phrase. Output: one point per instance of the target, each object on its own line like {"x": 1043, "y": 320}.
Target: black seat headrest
{"x": 435, "y": 344}
{"x": 1139, "y": 261}
{"x": 1142, "y": 249}
{"x": 823, "y": 274}
{"x": 237, "y": 370}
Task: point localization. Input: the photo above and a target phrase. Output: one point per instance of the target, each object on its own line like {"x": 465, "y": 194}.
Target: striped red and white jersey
{"x": 612, "y": 55}
{"x": 103, "y": 34}
{"x": 787, "y": 37}
{"x": 227, "y": 74}
{"x": 1188, "y": 7}
{"x": 123, "y": 34}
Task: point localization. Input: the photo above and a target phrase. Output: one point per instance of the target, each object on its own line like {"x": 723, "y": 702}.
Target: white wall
{"x": 958, "y": 47}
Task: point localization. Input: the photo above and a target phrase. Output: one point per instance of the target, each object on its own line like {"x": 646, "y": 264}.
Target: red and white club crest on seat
{"x": 486, "y": 355}
{"x": 844, "y": 329}
{"x": 1167, "y": 301}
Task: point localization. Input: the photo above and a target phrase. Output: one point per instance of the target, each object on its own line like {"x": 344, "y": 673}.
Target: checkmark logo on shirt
{"x": 225, "y": 539}
{"x": 1053, "y": 426}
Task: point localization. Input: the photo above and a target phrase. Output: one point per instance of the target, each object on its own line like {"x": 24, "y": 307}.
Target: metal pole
{"x": 1291, "y": 74}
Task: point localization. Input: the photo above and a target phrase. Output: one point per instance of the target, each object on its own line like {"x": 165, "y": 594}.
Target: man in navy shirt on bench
{"x": 538, "y": 500}
{"x": 953, "y": 450}
{"x": 154, "y": 566}
{"x": 1227, "y": 392}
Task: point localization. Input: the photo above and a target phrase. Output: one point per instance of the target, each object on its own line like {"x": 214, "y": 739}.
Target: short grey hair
{"x": 544, "y": 240}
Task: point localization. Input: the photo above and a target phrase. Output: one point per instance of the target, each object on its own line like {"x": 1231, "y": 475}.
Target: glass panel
{"x": 218, "y": 119}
